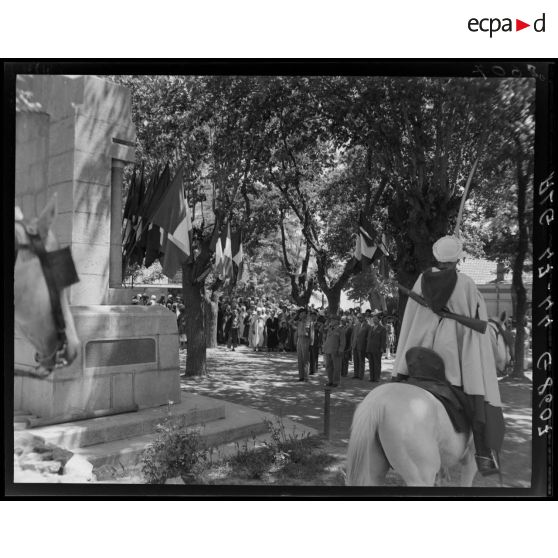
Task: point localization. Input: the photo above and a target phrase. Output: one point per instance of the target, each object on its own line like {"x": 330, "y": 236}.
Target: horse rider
{"x": 467, "y": 354}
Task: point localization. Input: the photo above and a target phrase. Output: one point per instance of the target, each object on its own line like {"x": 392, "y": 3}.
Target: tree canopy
{"x": 310, "y": 153}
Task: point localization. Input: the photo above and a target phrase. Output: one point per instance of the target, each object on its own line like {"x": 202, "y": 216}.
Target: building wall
{"x": 499, "y": 298}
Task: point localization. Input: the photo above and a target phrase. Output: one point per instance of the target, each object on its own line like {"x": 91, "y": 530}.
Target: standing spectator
{"x": 233, "y": 330}
{"x": 220, "y": 314}
{"x": 152, "y": 301}
{"x": 334, "y": 347}
{"x": 181, "y": 322}
{"x": 314, "y": 342}
{"x": 272, "y": 325}
{"x": 257, "y": 330}
{"x": 246, "y": 322}
{"x": 303, "y": 345}
{"x": 390, "y": 339}
{"x": 375, "y": 346}
{"x": 135, "y": 300}
{"x": 226, "y": 322}
{"x": 161, "y": 301}
{"x": 241, "y": 317}
{"x": 283, "y": 334}
{"x": 358, "y": 345}
{"x": 347, "y": 327}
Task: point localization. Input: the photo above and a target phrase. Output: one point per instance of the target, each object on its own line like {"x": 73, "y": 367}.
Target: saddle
{"x": 426, "y": 370}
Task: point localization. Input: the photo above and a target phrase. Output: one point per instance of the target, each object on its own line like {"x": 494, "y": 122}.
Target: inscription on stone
{"x": 119, "y": 352}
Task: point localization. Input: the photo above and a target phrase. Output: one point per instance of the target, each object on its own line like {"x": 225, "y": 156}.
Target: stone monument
{"x": 74, "y": 136}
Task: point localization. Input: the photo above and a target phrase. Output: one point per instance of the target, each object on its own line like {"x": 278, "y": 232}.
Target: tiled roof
{"x": 484, "y": 271}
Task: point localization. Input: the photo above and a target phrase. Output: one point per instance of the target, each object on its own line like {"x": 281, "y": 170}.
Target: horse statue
{"x": 406, "y": 427}
{"x": 502, "y": 343}
{"x": 42, "y": 272}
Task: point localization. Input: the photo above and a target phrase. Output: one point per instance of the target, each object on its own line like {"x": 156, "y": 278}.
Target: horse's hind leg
{"x": 468, "y": 467}
{"x": 417, "y": 461}
{"x": 366, "y": 462}
{"x": 379, "y": 465}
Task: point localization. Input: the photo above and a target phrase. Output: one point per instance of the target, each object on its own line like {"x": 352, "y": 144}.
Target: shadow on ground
{"x": 268, "y": 381}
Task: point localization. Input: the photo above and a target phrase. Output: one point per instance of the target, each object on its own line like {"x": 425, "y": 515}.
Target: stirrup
{"x": 487, "y": 465}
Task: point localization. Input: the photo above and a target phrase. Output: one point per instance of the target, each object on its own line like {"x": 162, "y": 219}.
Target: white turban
{"x": 448, "y": 249}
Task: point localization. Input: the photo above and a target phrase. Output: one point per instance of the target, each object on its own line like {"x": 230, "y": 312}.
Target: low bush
{"x": 175, "y": 452}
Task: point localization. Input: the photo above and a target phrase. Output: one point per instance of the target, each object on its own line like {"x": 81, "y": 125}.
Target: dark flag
{"x": 151, "y": 235}
{"x": 367, "y": 250}
{"x": 173, "y": 219}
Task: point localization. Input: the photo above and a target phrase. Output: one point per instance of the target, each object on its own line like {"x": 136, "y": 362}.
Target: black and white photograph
{"x": 280, "y": 278}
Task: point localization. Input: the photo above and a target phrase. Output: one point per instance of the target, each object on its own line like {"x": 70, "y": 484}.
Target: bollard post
{"x": 327, "y": 397}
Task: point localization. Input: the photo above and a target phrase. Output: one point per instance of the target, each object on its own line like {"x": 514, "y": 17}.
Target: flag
{"x": 227, "y": 255}
{"x": 237, "y": 256}
{"x": 219, "y": 259}
{"x": 366, "y": 235}
{"x": 131, "y": 250}
{"x": 127, "y": 214}
{"x": 152, "y": 236}
{"x": 383, "y": 245}
{"x": 173, "y": 217}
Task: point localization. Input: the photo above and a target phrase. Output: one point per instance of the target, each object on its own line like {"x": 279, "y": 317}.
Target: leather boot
{"x": 487, "y": 463}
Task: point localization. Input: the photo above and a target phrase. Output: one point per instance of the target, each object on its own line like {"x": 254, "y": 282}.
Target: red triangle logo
{"x": 519, "y": 25}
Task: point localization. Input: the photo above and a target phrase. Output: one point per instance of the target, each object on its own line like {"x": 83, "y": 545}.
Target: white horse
{"x": 502, "y": 353}
{"x": 406, "y": 427}
{"x": 35, "y": 298}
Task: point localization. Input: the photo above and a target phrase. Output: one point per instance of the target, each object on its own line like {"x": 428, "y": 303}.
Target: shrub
{"x": 174, "y": 452}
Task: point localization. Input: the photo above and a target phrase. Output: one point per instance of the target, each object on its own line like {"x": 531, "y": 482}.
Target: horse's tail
{"x": 364, "y": 443}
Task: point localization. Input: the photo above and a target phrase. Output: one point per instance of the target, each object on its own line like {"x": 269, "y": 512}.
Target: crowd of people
{"x": 174, "y": 304}
{"x": 349, "y": 336}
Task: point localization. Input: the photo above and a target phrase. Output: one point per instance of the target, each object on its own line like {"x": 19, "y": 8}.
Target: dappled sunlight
{"x": 268, "y": 381}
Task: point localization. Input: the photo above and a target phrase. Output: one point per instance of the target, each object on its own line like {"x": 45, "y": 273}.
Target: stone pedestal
{"x": 124, "y": 362}
{"x": 74, "y": 135}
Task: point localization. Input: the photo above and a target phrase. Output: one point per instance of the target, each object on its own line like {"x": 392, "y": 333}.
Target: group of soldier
{"x": 352, "y": 336}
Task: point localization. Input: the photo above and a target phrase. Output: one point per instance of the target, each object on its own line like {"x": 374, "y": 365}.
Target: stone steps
{"x": 114, "y": 458}
{"x": 114, "y": 445}
{"x": 241, "y": 424}
{"x": 193, "y": 409}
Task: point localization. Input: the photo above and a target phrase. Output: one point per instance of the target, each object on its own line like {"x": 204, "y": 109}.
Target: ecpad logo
{"x": 493, "y": 25}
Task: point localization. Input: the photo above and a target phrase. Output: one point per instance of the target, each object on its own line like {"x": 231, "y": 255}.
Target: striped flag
{"x": 218, "y": 268}
{"x": 173, "y": 217}
{"x": 237, "y": 256}
{"x": 365, "y": 237}
{"x": 227, "y": 255}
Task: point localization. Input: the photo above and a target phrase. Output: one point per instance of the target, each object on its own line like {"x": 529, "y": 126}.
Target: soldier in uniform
{"x": 303, "y": 339}
{"x": 334, "y": 347}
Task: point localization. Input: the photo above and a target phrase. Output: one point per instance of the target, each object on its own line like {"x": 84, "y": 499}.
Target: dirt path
{"x": 268, "y": 381}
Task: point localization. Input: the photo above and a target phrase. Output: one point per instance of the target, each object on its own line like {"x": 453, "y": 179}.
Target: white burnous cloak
{"x": 467, "y": 354}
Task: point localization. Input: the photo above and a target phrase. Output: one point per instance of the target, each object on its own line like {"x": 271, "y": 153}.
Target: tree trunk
{"x": 194, "y": 300}
{"x": 211, "y": 309}
{"x": 333, "y": 300}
